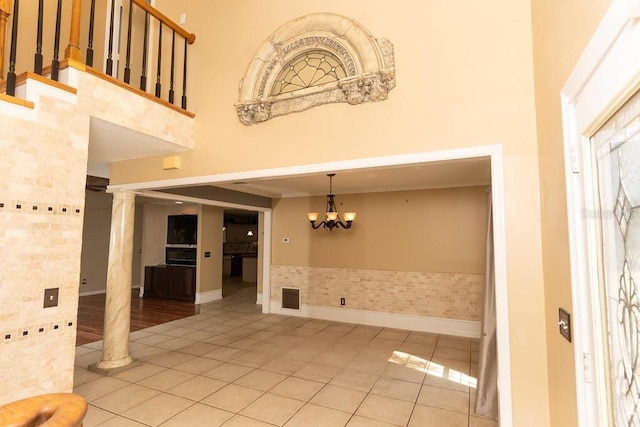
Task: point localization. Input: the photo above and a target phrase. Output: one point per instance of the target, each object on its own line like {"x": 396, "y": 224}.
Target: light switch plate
{"x": 51, "y": 297}
{"x": 564, "y": 323}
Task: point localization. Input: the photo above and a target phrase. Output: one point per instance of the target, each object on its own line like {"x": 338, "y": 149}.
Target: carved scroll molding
{"x": 368, "y": 63}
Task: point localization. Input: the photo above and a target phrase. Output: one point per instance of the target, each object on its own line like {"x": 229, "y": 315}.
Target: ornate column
{"x": 73, "y": 50}
{"x": 117, "y": 313}
{"x": 5, "y": 11}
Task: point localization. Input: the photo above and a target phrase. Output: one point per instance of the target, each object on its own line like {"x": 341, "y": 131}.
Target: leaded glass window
{"x": 312, "y": 68}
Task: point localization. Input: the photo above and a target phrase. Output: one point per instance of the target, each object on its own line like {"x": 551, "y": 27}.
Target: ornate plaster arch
{"x": 368, "y": 64}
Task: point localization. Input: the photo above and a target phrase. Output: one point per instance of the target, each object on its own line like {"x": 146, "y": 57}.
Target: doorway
{"x": 239, "y": 252}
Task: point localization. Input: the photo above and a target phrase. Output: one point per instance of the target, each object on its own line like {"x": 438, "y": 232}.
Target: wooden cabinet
{"x": 170, "y": 281}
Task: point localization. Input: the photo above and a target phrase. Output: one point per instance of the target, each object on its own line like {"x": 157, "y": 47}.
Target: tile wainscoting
{"x": 443, "y": 302}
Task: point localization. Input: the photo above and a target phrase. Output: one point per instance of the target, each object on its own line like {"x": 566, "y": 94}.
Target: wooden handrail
{"x": 189, "y": 37}
{"x": 52, "y": 410}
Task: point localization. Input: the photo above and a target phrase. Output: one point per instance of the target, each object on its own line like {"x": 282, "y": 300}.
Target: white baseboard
{"x": 205, "y": 297}
{"x": 435, "y": 325}
{"x": 259, "y": 298}
{"x": 104, "y": 291}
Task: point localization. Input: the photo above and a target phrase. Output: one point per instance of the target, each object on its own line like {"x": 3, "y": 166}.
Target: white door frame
{"x": 606, "y": 75}
{"x": 493, "y": 152}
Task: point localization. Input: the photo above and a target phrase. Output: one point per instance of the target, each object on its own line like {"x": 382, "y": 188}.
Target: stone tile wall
{"x": 441, "y": 295}
{"x": 42, "y": 199}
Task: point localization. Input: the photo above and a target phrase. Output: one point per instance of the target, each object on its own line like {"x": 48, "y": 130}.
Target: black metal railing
{"x": 151, "y": 29}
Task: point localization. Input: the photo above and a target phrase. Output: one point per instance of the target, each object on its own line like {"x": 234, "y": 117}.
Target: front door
{"x": 615, "y": 151}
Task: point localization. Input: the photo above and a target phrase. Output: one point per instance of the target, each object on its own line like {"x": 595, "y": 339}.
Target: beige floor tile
{"x": 428, "y": 416}
{"x": 83, "y": 349}
{"x": 454, "y": 342}
{"x": 99, "y": 387}
{"x": 119, "y": 421}
{"x": 366, "y": 331}
{"x": 358, "y": 421}
{"x": 198, "y": 336}
{"x": 147, "y": 353}
{"x": 228, "y": 372}
{"x": 318, "y": 416}
{"x": 176, "y": 331}
{"x": 154, "y": 339}
{"x": 175, "y": 343}
{"x": 422, "y": 338}
{"x": 314, "y": 372}
{"x": 133, "y": 336}
{"x": 166, "y": 379}
{"x": 158, "y": 409}
{"x": 343, "y": 399}
{"x": 283, "y": 366}
{"x": 233, "y": 398}
{"x": 393, "y": 334}
{"x": 481, "y": 422}
{"x": 242, "y": 421}
{"x": 420, "y": 350}
{"x": 340, "y": 329}
{"x": 451, "y": 353}
{"x": 86, "y": 359}
{"x": 413, "y": 373}
{"x": 197, "y": 388}
{"x": 246, "y": 344}
{"x": 361, "y": 381}
{"x": 338, "y": 359}
{"x": 443, "y": 398}
{"x": 198, "y": 365}
{"x": 261, "y": 380}
{"x": 397, "y": 389}
{"x": 199, "y": 348}
{"x": 385, "y": 409}
{"x": 169, "y": 359}
{"x": 199, "y": 415}
{"x": 96, "y": 416}
{"x": 140, "y": 372}
{"x": 372, "y": 366}
{"x": 222, "y": 339}
{"x": 224, "y": 353}
{"x": 297, "y": 388}
{"x": 82, "y": 375}
{"x": 273, "y": 409}
{"x": 125, "y": 398}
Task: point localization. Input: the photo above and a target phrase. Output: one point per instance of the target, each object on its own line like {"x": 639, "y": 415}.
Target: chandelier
{"x": 332, "y": 218}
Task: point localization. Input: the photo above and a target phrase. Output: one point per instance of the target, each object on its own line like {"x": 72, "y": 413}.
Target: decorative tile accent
{"x": 443, "y": 295}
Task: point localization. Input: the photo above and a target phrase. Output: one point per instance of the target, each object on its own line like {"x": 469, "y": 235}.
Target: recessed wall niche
{"x": 317, "y": 59}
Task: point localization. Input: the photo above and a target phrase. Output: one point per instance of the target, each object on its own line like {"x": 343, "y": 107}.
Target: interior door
{"x": 615, "y": 156}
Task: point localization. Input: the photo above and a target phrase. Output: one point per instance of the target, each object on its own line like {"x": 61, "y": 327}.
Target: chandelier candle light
{"x": 332, "y": 218}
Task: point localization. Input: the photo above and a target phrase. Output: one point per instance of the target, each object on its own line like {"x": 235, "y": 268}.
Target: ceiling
{"x": 109, "y": 142}
{"x": 430, "y": 175}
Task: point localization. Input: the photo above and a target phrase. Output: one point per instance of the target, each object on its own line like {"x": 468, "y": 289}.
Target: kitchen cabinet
{"x": 171, "y": 282}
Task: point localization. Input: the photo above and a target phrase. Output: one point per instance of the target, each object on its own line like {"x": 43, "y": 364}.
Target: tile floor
{"x": 231, "y": 366}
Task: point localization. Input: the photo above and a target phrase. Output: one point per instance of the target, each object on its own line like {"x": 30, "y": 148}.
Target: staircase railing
{"x": 144, "y": 26}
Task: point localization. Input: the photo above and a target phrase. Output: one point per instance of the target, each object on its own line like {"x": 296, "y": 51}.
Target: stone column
{"x": 117, "y": 312}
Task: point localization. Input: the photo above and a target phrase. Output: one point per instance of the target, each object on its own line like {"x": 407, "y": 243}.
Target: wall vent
{"x": 291, "y": 298}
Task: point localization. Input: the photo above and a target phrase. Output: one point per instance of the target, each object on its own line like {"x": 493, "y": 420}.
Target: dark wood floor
{"x": 145, "y": 312}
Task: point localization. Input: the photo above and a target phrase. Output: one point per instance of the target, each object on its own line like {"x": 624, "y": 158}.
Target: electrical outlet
{"x": 51, "y": 297}
{"x": 84, "y": 281}
{"x": 342, "y": 301}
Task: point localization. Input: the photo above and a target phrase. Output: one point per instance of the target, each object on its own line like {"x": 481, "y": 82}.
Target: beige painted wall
{"x": 210, "y": 235}
{"x": 464, "y": 78}
{"x": 441, "y": 231}
{"x": 561, "y": 31}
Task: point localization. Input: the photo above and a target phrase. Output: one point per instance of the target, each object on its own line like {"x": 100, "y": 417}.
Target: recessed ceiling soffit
{"x": 317, "y": 59}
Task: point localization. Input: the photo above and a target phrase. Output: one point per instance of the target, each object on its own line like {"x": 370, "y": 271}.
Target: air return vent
{"x": 291, "y": 298}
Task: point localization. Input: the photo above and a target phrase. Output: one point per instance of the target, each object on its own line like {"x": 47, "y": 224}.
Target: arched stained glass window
{"x": 312, "y": 68}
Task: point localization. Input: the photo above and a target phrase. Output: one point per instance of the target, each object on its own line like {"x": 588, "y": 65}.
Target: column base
{"x": 95, "y": 367}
